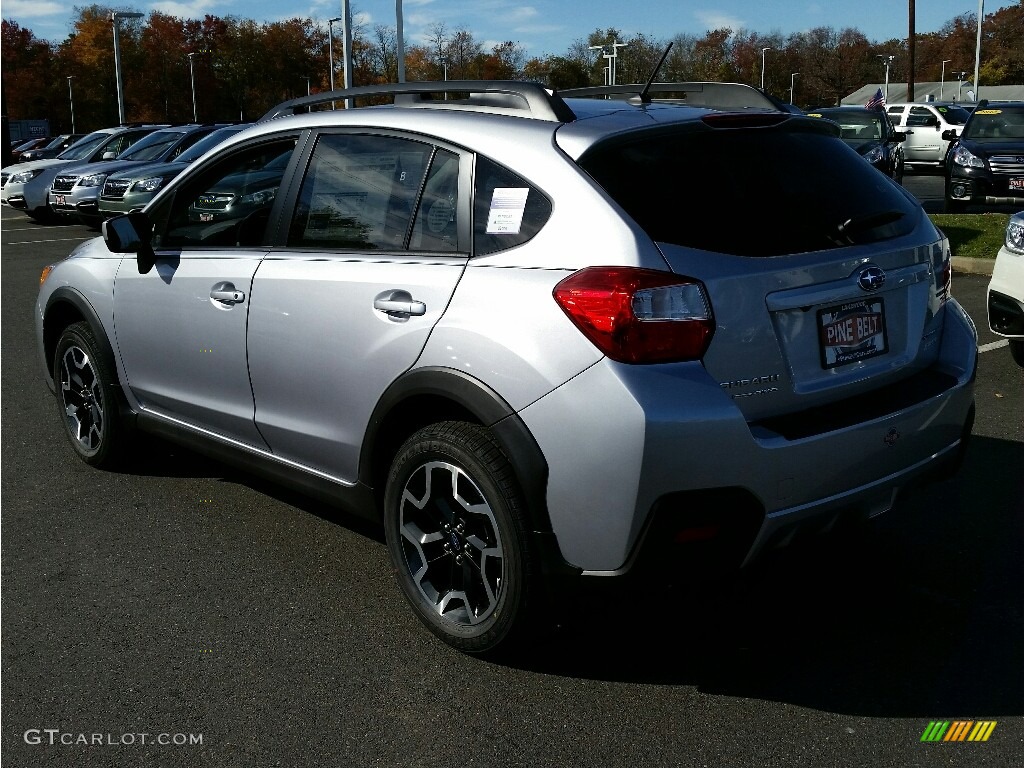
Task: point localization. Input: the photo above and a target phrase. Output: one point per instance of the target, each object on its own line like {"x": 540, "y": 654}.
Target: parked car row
{"x": 71, "y": 184}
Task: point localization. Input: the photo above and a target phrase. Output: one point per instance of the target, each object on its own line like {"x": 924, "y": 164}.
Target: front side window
{"x": 227, "y": 203}
{"x": 377, "y": 193}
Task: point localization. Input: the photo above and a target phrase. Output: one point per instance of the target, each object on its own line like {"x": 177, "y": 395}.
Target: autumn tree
{"x": 29, "y": 75}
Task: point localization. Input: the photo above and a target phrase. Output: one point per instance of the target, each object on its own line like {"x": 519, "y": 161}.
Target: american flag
{"x": 877, "y": 101}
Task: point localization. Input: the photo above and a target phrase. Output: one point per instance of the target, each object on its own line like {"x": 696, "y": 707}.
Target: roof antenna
{"x": 644, "y": 96}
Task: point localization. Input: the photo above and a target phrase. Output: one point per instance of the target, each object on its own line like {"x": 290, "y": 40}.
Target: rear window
{"x": 751, "y": 192}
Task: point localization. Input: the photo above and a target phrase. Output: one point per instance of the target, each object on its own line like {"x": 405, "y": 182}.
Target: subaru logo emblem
{"x": 871, "y": 278}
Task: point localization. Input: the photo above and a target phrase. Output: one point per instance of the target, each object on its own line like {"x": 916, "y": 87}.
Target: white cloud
{"x": 521, "y": 14}
{"x": 192, "y": 10}
{"x": 539, "y": 29}
{"x": 27, "y": 9}
{"x": 715, "y": 20}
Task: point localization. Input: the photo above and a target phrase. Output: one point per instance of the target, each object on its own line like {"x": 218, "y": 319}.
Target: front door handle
{"x": 399, "y": 303}
{"x": 226, "y": 293}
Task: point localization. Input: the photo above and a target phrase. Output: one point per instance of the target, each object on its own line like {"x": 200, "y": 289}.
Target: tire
{"x": 454, "y": 522}
{"x": 898, "y": 171}
{"x": 85, "y": 397}
{"x": 1017, "y": 351}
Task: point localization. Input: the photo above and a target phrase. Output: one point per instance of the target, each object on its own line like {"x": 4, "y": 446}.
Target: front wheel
{"x": 85, "y": 397}
{"x": 454, "y": 521}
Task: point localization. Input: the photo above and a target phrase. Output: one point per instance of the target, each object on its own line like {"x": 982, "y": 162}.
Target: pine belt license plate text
{"x": 1017, "y": 184}
{"x": 58, "y": 199}
{"x": 852, "y": 331}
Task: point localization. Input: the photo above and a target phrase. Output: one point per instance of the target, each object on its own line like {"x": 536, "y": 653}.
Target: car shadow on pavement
{"x": 919, "y": 612}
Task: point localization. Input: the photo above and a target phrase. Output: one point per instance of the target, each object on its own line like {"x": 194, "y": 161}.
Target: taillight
{"x": 639, "y": 315}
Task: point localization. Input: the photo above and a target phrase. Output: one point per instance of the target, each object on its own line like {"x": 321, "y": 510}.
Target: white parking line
{"x": 994, "y": 345}
{"x": 57, "y": 240}
{"x": 48, "y": 226}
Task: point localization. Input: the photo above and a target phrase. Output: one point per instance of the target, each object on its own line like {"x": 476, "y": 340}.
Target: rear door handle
{"x": 399, "y": 303}
{"x": 226, "y": 293}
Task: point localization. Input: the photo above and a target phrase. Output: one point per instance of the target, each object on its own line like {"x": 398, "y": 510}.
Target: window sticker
{"x": 507, "y": 207}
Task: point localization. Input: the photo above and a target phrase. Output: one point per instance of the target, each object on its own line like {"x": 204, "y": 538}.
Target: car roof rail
{"x": 512, "y": 97}
{"x": 710, "y": 95}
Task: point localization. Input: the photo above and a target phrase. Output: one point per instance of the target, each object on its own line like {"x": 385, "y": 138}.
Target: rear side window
{"x": 507, "y": 210}
{"x": 751, "y": 192}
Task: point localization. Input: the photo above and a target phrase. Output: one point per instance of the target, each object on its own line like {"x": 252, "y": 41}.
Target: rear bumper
{"x": 661, "y": 452}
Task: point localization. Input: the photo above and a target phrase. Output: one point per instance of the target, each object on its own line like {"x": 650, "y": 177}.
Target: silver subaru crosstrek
{"x": 541, "y": 337}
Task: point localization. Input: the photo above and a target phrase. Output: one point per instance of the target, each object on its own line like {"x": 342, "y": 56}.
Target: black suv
{"x": 871, "y": 134}
{"x": 985, "y": 165}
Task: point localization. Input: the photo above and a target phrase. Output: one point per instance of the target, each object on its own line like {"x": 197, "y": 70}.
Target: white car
{"x": 1006, "y": 289}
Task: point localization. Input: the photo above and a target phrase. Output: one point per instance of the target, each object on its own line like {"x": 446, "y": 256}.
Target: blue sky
{"x": 546, "y": 26}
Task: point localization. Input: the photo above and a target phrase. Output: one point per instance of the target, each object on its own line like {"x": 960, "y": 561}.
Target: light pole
{"x": 71, "y": 98}
{"x": 116, "y": 16}
{"x": 942, "y": 80}
{"x": 977, "y": 52}
{"x": 610, "y": 52}
{"x": 792, "y": 84}
{"x": 330, "y": 45}
{"x": 763, "y": 52}
{"x": 960, "y": 86}
{"x": 307, "y": 78}
{"x": 346, "y": 51}
{"x": 399, "y": 41}
{"x": 192, "y": 77}
{"x": 886, "y": 60}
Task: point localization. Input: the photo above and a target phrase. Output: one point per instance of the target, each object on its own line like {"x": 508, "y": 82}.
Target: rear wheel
{"x": 454, "y": 521}
{"x": 85, "y": 397}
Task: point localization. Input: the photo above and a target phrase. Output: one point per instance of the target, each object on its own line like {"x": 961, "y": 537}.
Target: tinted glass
{"x": 84, "y": 147}
{"x": 208, "y": 142}
{"x": 994, "y": 123}
{"x": 858, "y": 125}
{"x": 226, "y": 204}
{"x": 759, "y": 192}
{"x": 953, "y": 114}
{"x": 360, "y": 193}
{"x": 507, "y": 210}
{"x": 153, "y": 146}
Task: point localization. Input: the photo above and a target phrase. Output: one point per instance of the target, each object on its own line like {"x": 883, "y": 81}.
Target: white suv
{"x": 924, "y": 122}
{"x": 1006, "y": 290}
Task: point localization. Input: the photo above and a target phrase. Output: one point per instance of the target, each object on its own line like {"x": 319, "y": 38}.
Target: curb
{"x": 966, "y": 265}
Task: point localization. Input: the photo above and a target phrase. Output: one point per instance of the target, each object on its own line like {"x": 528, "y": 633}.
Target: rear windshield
{"x": 153, "y": 146}
{"x": 751, "y": 192}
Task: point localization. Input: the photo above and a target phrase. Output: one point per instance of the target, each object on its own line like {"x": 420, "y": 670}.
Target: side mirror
{"x": 950, "y": 134}
{"x": 932, "y": 120}
{"x": 127, "y": 233}
{"x": 899, "y": 136}
{"x": 131, "y": 233}
{"x": 109, "y": 155}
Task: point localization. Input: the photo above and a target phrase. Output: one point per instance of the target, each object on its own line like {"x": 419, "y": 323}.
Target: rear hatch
{"x": 826, "y": 280}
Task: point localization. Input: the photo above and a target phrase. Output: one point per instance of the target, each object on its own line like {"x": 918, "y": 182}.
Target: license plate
{"x": 1017, "y": 184}
{"x": 58, "y": 199}
{"x": 851, "y": 332}
{"x": 206, "y": 217}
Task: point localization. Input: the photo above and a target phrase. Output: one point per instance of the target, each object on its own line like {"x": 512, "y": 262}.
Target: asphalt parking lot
{"x": 181, "y": 598}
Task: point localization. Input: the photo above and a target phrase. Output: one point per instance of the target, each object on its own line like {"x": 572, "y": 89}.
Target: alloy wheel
{"x": 451, "y": 543}
{"x": 82, "y": 398}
